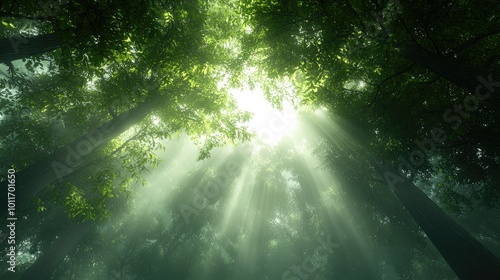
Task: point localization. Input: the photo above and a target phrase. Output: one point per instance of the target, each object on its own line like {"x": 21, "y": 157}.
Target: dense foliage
{"x": 102, "y": 101}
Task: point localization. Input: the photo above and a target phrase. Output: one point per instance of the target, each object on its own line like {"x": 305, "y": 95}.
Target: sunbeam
{"x": 268, "y": 123}
{"x": 249, "y": 140}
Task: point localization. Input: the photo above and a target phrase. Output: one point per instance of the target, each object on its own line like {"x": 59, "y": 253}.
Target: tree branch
{"x": 474, "y": 40}
{"x": 381, "y": 84}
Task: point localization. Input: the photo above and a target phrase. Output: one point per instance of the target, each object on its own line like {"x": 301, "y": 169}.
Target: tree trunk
{"x": 468, "y": 258}
{"x": 21, "y": 47}
{"x": 62, "y": 162}
{"x": 462, "y": 74}
{"x": 44, "y": 266}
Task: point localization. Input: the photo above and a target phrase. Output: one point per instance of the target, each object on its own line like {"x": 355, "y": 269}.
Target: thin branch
{"x": 135, "y": 137}
{"x": 381, "y": 84}
{"x": 474, "y": 40}
{"x": 356, "y": 14}
{"x": 428, "y": 83}
{"x": 432, "y": 40}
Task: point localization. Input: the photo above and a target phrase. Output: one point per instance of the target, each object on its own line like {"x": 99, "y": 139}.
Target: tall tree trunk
{"x": 465, "y": 255}
{"x": 21, "y": 47}
{"x": 465, "y": 75}
{"x": 62, "y": 162}
{"x": 44, "y": 266}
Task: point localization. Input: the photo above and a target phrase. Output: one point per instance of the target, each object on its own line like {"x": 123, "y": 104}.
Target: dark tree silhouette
{"x": 466, "y": 256}
{"x": 469, "y": 77}
{"x": 62, "y": 162}
{"x": 24, "y": 47}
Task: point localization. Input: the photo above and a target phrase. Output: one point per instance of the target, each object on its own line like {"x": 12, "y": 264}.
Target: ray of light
{"x": 248, "y": 206}
{"x": 269, "y": 124}
{"x": 335, "y": 130}
{"x": 310, "y": 130}
{"x": 327, "y": 186}
{"x": 230, "y": 213}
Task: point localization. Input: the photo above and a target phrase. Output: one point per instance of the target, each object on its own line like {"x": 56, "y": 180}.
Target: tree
{"x": 344, "y": 56}
{"x": 465, "y": 255}
{"x": 87, "y": 131}
{"x": 61, "y": 163}
{"x": 45, "y": 264}
{"x": 161, "y": 87}
{"x": 20, "y": 47}
{"x": 470, "y": 78}
{"x": 87, "y": 32}
{"x": 152, "y": 77}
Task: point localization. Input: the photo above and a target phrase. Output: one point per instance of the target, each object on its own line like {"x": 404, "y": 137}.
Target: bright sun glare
{"x": 269, "y": 124}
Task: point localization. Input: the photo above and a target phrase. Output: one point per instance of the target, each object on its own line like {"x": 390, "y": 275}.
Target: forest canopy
{"x": 185, "y": 139}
